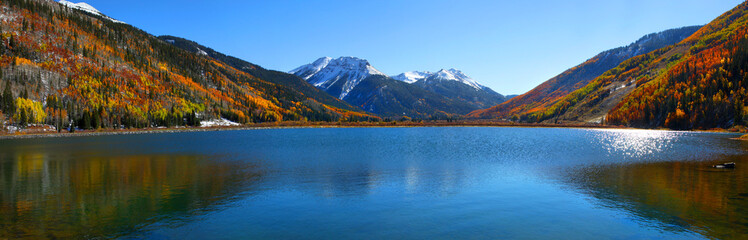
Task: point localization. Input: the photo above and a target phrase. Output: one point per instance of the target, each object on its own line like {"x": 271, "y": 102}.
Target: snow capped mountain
{"x": 415, "y": 94}
{"x": 411, "y": 77}
{"x": 442, "y": 75}
{"x": 455, "y": 75}
{"x": 336, "y": 76}
{"x": 87, "y": 8}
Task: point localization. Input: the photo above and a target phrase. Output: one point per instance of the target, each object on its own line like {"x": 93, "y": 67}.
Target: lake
{"x": 377, "y": 183}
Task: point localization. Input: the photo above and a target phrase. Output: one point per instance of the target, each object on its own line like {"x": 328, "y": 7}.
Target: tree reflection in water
{"x": 684, "y": 195}
{"x": 52, "y": 196}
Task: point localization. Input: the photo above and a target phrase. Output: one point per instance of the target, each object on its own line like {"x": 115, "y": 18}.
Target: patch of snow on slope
{"x": 222, "y": 122}
{"x": 411, "y": 77}
{"x": 87, "y": 8}
{"x": 201, "y": 52}
{"x": 307, "y": 71}
{"x": 457, "y": 75}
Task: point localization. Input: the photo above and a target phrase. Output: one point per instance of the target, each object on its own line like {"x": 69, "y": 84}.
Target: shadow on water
{"x": 53, "y": 191}
{"x": 673, "y": 196}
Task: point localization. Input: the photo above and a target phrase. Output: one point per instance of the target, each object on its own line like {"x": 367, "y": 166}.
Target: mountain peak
{"x": 307, "y": 71}
{"x": 323, "y": 61}
{"x": 446, "y": 74}
{"x": 338, "y": 75}
{"x": 87, "y": 8}
{"x": 81, "y": 6}
{"x": 442, "y": 75}
{"x": 456, "y": 75}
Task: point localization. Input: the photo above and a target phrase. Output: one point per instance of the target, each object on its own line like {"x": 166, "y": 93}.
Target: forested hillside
{"x": 60, "y": 65}
{"x": 293, "y": 83}
{"x": 705, "y": 89}
{"x": 698, "y": 83}
{"x": 695, "y": 84}
{"x": 553, "y": 90}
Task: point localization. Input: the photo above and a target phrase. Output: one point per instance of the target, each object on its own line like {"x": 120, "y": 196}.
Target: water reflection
{"x": 55, "y": 195}
{"x": 635, "y": 143}
{"x": 422, "y": 183}
{"x": 674, "y": 196}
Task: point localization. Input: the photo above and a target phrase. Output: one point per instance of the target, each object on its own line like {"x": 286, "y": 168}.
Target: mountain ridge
{"x": 291, "y": 81}
{"x": 697, "y": 83}
{"x": 443, "y": 93}
{"x": 551, "y": 91}
{"x": 443, "y": 74}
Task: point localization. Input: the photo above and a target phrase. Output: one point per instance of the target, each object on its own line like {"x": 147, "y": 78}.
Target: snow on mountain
{"x": 87, "y": 8}
{"x": 202, "y": 52}
{"x": 307, "y": 71}
{"x": 342, "y": 74}
{"x": 411, "y": 77}
{"x": 457, "y": 75}
{"x": 339, "y": 76}
{"x": 443, "y": 75}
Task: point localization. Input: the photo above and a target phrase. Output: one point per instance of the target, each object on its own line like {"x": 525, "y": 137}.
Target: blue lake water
{"x": 377, "y": 183}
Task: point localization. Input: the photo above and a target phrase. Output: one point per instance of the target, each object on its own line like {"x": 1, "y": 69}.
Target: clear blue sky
{"x": 510, "y": 46}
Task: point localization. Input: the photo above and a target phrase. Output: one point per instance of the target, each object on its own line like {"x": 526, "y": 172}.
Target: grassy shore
{"x": 39, "y": 134}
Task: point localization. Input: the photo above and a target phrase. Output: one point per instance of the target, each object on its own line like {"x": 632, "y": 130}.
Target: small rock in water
{"x": 726, "y": 165}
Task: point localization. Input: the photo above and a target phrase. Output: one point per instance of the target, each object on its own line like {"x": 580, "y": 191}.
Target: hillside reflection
{"x": 66, "y": 196}
{"x": 682, "y": 195}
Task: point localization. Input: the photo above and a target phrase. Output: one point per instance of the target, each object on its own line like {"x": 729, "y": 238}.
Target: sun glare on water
{"x": 635, "y": 143}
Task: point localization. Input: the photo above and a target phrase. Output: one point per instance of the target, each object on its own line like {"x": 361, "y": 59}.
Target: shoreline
{"x": 289, "y": 125}
{"x": 300, "y": 125}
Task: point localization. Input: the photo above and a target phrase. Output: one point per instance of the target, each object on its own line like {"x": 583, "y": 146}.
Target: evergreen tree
{"x": 9, "y": 102}
{"x": 96, "y": 120}
{"x": 86, "y": 120}
{"x": 23, "y": 119}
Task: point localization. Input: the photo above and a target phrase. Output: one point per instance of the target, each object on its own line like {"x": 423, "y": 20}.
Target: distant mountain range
{"x": 414, "y": 94}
